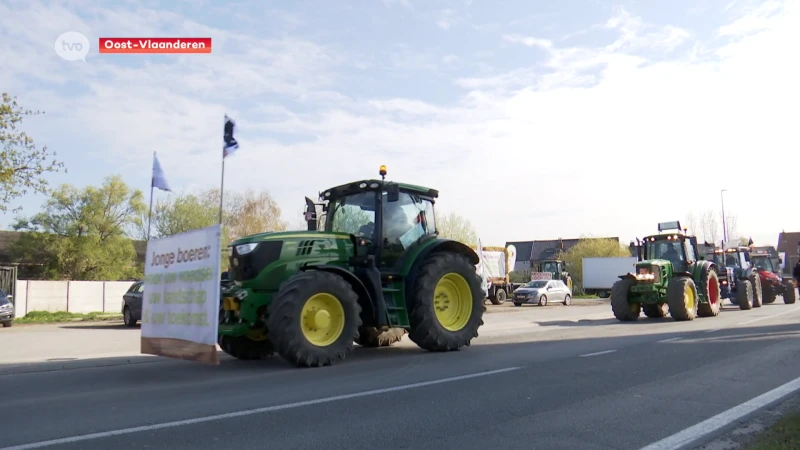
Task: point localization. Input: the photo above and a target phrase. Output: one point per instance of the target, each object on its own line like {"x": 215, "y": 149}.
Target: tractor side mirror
{"x": 392, "y": 192}
{"x": 311, "y": 214}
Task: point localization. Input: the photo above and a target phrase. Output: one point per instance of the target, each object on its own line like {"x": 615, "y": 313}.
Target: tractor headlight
{"x": 244, "y": 249}
{"x": 645, "y": 276}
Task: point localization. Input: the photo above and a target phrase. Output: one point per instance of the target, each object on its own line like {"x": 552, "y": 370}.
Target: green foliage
{"x": 63, "y": 316}
{"x": 83, "y": 234}
{"x": 590, "y": 248}
{"x": 456, "y": 227}
{"x": 522, "y": 276}
{"x": 22, "y": 164}
{"x": 350, "y": 219}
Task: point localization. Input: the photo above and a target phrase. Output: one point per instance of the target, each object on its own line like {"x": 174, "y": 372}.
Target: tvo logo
{"x": 72, "y": 46}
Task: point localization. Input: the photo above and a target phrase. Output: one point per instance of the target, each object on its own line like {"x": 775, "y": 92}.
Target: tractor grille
{"x": 246, "y": 267}
{"x": 647, "y": 274}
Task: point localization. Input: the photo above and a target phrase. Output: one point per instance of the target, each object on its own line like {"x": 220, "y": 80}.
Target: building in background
{"x": 787, "y": 243}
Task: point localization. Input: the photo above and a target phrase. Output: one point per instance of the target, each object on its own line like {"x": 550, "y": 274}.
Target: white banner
{"x": 494, "y": 263}
{"x": 180, "y": 305}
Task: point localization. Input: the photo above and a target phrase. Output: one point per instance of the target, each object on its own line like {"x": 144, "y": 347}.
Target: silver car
{"x": 543, "y": 291}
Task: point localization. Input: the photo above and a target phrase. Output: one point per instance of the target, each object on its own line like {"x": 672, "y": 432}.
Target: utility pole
{"x": 724, "y": 227}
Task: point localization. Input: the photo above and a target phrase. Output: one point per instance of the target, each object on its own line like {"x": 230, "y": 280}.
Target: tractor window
{"x": 670, "y": 250}
{"x": 550, "y": 266}
{"x": 763, "y": 263}
{"x": 731, "y": 260}
{"x": 354, "y": 214}
{"x": 404, "y": 221}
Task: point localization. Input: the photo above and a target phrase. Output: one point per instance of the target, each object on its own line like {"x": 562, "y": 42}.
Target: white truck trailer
{"x": 599, "y": 274}
{"x": 495, "y": 266}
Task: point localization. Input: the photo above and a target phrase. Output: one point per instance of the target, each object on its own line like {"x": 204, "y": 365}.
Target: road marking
{"x": 711, "y": 331}
{"x": 721, "y": 420}
{"x": 250, "y": 412}
{"x": 671, "y": 339}
{"x": 597, "y": 353}
{"x": 770, "y": 317}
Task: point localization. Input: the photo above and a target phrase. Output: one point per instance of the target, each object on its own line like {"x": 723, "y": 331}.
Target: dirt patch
{"x": 774, "y": 428}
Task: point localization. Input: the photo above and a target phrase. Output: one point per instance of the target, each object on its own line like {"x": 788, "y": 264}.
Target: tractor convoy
{"x": 369, "y": 270}
{"x": 674, "y": 276}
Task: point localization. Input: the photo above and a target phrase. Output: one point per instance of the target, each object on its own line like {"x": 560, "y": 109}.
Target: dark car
{"x": 6, "y": 310}
{"x": 132, "y": 304}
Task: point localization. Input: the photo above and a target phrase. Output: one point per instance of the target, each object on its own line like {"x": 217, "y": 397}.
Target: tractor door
{"x": 405, "y": 221}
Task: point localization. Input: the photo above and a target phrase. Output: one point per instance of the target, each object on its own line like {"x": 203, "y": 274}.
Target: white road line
{"x": 770, "y": 317}
{"x": 250, "y": 412}
{"x": 597, "y": 353}
{"x": 711, "y": 331}
{"x": 721, "y": 420}
{"x": 671, "y": 339}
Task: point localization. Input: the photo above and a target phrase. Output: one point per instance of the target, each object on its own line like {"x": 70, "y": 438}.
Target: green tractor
{"x": 374, "y": 271}
{"x": 670, "y": 278}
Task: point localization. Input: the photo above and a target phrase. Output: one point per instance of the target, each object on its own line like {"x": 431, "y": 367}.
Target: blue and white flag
{"x": 159, "y": 181}
{"x": 230, "y": 145}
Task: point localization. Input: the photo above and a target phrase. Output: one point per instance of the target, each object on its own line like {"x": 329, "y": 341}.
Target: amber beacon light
{"x": 382, "y": 171}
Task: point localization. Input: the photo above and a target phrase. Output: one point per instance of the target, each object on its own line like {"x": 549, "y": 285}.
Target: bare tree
{"x": 731, "y": 229}
{"x": 709, "y": 225}
{"x": 691, "y": 223}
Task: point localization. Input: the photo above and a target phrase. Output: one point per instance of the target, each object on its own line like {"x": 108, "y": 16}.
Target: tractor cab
{"x": 671, "y": 244}
{"x": 387, "y": 218}
{"x": 553, "y": 269}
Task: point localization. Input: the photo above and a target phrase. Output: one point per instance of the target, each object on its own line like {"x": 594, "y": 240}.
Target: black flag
{"x": 230, "y": 142}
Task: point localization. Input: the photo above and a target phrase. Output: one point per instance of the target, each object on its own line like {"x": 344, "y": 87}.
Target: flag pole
{"x": 150, "y": 213}
{"x": 221, "y": 187}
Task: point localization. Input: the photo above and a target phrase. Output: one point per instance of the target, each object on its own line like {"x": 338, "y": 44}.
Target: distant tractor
{"x": 669, "y": 278}
{"x": 377, "y": 271}
{"x": 739, "y": 282}
{"x": 552, "y": 269}
{"x": 772, "y": 280}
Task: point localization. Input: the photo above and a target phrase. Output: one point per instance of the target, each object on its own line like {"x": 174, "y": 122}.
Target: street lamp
{"x": 724, "y": 228}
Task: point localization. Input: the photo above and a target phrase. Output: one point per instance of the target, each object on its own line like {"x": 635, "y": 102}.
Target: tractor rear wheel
{"x": 314, "y": 319}
{"x": 244, "y": 348}
{"x": 712, "y": 294}
{"x": 446, "y": 307}
{"x": 758, "y": 292}
{"x": 655, "y": 310}
{"x": 373, "y": 337}
{"x": 623, "y": 310}
{"x": 682, "y": 298}
{"x": 789, "y": 294}
{"x": 744, "y": 294}
{"x": 499, "y": 297}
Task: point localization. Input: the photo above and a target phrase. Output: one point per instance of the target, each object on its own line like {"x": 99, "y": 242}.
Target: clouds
{"x": 635, "y": 124}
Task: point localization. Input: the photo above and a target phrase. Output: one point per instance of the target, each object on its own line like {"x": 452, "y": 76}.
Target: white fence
{"x": 71, "y": 296}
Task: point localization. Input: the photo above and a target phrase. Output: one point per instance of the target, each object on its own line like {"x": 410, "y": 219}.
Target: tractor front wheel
{"x": 744, "y": 294}
{"x": 314, "y": 319}
{"x": 682, "y": 298}
{"x": 623, "y": 310}
{"x": 770, "y": 294}
{"x": 789, "y": 294}
{"x": 758, "y": 291}
{"x": 244, "y": 348}
{"x": 373, "y": 337}
{"x": 446, "y": 309}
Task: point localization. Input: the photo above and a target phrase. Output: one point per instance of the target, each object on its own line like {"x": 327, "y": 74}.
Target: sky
{"x": 534, "y": 119}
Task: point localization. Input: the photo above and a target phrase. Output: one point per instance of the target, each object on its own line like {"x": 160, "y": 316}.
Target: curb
{"x": 53, "y": 366}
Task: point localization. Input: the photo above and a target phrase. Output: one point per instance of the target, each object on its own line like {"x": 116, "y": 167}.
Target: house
{"x": 523, "y": 262}
{"x": 788, "y": 243}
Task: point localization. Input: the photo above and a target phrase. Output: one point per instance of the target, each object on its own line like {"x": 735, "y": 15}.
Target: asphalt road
{"x": 537, "y": 378}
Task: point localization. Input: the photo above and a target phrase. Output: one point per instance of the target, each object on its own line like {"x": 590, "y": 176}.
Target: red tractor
{"x": 772, "y": 281}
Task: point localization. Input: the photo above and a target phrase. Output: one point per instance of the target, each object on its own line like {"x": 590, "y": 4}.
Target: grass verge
{"x": 784, "y": 435}
{"x": 38, "y": 317}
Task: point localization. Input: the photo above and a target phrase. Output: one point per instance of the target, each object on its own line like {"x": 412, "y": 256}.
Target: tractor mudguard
{"x": 358, "y": 286}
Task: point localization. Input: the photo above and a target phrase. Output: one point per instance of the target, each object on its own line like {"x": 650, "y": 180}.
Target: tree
{"x": 456, "y": 227}
{"x": 590, "y": 248}
{"x": 731, "y": 228}
{"x": 22, "y": 164}
{"x": 691, "y": 223}
{"x": 709, "y": 226}
{"x": 743, "y": 241}
{"x": 252, "y": 212}
{"x": 82, "y": 234}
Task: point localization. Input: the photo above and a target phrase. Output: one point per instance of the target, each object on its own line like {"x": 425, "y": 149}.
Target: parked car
{"x": 543, "y": 291}
{"x": 6, "y": 310}
{"x": 132, "y": 304}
